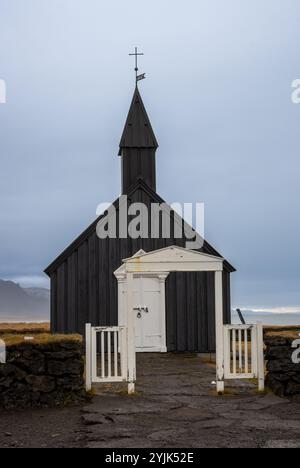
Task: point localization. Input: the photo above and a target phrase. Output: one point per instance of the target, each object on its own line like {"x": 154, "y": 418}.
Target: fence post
{"x": 254, "y": 349}
{"x": 131, "y": 335}
{"x": 227, "y": 351}
{"x": 219, "y": 331}
{"x": 88, "y": 357}
{"x": 260, "y": 358}
{"x": 123, "y": 353}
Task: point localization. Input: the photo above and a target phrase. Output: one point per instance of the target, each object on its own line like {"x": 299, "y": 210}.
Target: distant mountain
{"x": 39, "y": 293}
{"x": 18, "y": 304}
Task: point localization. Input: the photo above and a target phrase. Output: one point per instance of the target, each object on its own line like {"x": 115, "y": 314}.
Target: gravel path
{"x": 175, "y": 406}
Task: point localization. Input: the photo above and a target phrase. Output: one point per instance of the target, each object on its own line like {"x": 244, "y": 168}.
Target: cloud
{"x": 30, "y": 281}
{"x": 272, "y": 310}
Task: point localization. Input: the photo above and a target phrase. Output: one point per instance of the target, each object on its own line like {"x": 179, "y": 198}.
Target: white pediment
{"x": 173, "y": 259}
{"x": 121, "y": 269}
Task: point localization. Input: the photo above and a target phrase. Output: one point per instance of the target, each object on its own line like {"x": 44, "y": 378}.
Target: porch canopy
{"x": 177, "y": 259}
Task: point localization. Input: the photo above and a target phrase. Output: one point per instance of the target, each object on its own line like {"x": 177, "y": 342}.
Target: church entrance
{"x": 142, "y": 322}
{"x": 148, "y": 315}
{"x": 148, "y": 311}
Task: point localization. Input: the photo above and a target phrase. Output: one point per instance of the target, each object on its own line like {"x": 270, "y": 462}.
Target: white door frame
{"x": 121, "y": 276}
{"x": 175, "y": 259}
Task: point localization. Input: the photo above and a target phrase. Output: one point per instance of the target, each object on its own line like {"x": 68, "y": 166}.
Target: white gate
{"x": 111, "y": 355}
{"x": 244, "y": 353}
{"x": 108, "y": 356}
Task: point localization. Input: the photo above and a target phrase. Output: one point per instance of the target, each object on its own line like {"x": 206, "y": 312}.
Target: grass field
{"x": 23, "y": 328}
{"x": 40, "y": 339}
{"x": 288, "y": 333}
{"x": 14, "y": 333}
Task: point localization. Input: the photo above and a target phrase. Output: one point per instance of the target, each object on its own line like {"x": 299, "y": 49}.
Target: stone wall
{"x": 283, "y": 375}
{"x": 42, "y": 374}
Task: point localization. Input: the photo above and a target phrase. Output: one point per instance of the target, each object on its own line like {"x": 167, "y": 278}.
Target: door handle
{"x": 141, "y": 309}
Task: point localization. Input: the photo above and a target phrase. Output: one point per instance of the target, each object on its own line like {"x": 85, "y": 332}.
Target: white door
{"x": 149, "y": 315}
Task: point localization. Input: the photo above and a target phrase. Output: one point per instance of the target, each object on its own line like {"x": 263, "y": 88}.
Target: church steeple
{"x": 138, "y": 146}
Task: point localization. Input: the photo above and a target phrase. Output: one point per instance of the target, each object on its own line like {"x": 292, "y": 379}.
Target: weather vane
{"x": 137, "y": 76}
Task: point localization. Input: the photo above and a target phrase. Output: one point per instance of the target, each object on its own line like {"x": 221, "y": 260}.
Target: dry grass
{"x": 15, "y": 333}
{"x": 40, "y": 339}
{"x": 287, "y": 333}
{"x": 271, "y": 328}
{"x": 282, "y": 329}
{"x": 23, "y": 328}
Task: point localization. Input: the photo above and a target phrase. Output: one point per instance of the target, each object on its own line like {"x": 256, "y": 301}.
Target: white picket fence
{"x": 244, "y": 353}
{"x": 108, "y": 356}
{"x": 111, "y": 355}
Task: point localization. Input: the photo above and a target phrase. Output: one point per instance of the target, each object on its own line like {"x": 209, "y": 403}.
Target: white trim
{"x": 141, "y": 253}
{"x": 160, "y": 267}
{"x": 121, "y": 269}
{"x": 172, "y": 259}
{"x": 162, "y": 282}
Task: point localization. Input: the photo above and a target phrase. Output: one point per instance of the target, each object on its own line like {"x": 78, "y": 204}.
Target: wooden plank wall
{"x": 84, "y": 289}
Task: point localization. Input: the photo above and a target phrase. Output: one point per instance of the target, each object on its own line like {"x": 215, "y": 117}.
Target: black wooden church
{"x": 84, "y": 288}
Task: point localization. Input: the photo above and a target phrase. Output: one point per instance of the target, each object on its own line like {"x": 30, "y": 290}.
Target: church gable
{"x": 140, "y": 193}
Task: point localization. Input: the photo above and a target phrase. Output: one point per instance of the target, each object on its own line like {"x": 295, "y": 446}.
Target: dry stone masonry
{"x": 283, "y": 374}
{"x": 42, "y": 374}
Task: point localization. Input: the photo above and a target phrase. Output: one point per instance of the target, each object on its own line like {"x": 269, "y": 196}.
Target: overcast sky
{"x": 218, "y": 93}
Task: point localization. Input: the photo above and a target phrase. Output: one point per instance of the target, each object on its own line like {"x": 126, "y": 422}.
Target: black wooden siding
{"x": 84, "y": 289}
{"x": 138, "y": 163}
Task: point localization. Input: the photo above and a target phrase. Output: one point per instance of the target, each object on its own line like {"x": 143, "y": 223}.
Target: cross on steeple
{"x": 136, "y": 54}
